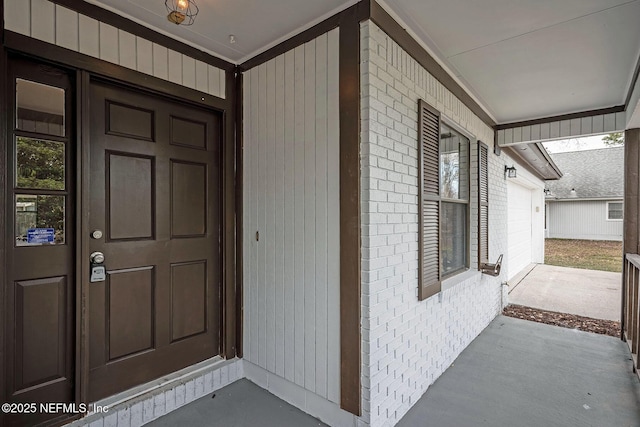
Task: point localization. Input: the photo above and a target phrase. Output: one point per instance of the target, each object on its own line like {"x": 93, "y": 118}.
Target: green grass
{"x": 588, "y": 254}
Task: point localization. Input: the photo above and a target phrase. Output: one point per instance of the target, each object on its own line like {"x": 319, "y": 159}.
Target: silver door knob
{"x": 97, "y": 258}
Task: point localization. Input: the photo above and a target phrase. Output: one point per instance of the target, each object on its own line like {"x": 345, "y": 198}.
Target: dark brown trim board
{"x": 42, "y": 50}
{"x": 82, "y": 271}
{"x": 239, "y": 211}
{"x": 132, "y": 27}
{"x": 632, "y": 85}
{"x": 349, "y": 99}
{"x": 389, "y": 25}
{"x": 359, "y": 11}
{"x": 631, "y": 233}
{"x": 570, "y": 116}
{"x": 350, "y": 227}
{"x": 3, "y": 213}
{"x": 229, "y": 222}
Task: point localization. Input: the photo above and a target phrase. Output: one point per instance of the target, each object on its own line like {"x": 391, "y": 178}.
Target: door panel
{"x": 155, "y": 192}
{"x": 188, "y": 296}
{"x": 39, "y": 317}
{"x": 129, "y": 177}
{"x": 40, "y": 355}
{"x": 188, "y": 199}
{"x": 131, "y": 325}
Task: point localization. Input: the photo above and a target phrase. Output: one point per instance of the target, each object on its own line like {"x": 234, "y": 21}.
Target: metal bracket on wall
{"x": 492, "y": 269}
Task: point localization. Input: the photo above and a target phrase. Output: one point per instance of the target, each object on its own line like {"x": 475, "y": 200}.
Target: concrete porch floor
{"x": 589, "y": 293}
{"x": 516, "y": 373}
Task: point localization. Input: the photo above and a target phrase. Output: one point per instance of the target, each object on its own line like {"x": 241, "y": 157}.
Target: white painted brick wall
{"x": 407, "y": 344}
{"x": 152, "y": 405}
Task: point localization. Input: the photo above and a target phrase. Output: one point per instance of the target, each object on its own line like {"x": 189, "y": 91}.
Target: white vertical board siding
{"x": 582, "y": 219}
{"x": 291, "y": 198}
{"x": 591, "y": 125}
{"x": 51, "y": 23}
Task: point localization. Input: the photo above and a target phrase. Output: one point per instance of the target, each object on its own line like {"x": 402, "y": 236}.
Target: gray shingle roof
{"x": 592, "y": 173}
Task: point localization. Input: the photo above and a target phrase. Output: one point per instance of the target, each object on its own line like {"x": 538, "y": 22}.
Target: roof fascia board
{"x": 584, "y": 199}
{"x": 513, "y": 153}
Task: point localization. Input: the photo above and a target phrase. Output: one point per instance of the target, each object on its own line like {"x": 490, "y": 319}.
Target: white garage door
{"x": 519, "y": 228}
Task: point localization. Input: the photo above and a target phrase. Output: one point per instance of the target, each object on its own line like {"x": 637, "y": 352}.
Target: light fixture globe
{"x": 181, "y": 11}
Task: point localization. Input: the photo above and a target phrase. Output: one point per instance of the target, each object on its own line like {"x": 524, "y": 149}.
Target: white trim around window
{"x": 615, "y": 211}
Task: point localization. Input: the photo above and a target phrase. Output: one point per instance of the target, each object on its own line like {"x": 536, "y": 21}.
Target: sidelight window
{"x": 40, "y": 149}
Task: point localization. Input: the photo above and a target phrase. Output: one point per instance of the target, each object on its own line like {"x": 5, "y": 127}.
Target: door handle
{"x": 97, "y": 258}
{"x": 98, "y": 271}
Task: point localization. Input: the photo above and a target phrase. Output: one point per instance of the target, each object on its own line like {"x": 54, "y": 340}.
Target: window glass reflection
{"x": 39, "y": 108}
{"x": 39, "y": 220}
{"x": 454, "y": 237}
{"x": 454, "y": 164}
{"x": 40, "y": 164}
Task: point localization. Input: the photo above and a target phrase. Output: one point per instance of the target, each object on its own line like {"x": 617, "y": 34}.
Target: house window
{"x": 443, "y": 201}
{"x": 454, "y": 183}
{"x": 614, "y": 211}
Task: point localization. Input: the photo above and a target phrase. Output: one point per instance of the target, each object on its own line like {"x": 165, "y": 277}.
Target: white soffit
{"x": 533, "y": 58}
{"x": 521, "y": 59}
{"x": 256, "y": 24}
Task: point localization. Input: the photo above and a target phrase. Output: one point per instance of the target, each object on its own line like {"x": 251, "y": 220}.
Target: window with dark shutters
{"x": 483, "y": 203}
{"x": 429, "y": 200}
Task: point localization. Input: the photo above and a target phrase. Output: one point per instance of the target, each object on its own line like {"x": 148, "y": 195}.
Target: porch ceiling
{"x": 521, "y": 60}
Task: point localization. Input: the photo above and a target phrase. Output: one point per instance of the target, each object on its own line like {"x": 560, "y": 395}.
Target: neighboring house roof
{"x": 593, "y": 174}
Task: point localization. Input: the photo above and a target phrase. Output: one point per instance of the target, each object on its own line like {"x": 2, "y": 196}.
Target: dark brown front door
{"x": 155, "y": 197}
{"x": 39, "y": 288}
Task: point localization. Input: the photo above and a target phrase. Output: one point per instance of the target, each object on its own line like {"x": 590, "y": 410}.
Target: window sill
{"x": 458, "y": 278}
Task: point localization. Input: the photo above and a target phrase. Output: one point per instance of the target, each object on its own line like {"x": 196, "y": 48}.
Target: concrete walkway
{"x": 520, "y": 374}
{"x": 241, "y": 404}
{"x": 587, "y": 293}
{"x": 515, "y": 374}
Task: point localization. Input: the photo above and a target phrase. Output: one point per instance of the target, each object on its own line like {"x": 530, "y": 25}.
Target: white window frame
{"x": 446, "y": 278}
{"x": 607, "y": 212}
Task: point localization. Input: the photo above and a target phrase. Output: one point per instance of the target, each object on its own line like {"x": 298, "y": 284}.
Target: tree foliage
{"x": 613, "y": 139}
{"x": 40, "y": 165}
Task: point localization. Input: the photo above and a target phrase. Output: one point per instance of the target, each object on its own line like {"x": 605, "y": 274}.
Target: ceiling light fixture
{"x": 181, "y": 11}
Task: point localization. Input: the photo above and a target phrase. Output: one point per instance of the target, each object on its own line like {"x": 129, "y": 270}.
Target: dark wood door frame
{"x": 229, "y": 335}
{"x": 3, "y": 197}
{"x": 85, "y": 68}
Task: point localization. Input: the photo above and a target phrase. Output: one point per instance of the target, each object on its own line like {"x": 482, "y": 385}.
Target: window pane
{"x": 453, "y": 229}
{"x": 454, "y": 164}
{"x": 39, "y": 220}
{"x": 40, "y": 108}
{"x": 40, "y": 164}
{"x": 615, "y": 210}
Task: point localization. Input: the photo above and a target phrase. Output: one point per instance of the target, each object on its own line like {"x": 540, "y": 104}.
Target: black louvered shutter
{"x": 483, "y": 203}
{"x": 429, "y": 199}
